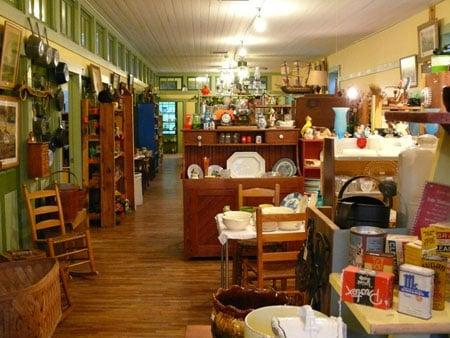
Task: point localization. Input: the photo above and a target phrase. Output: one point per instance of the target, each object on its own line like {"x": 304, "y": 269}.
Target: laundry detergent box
{"x": 367, "y": 287}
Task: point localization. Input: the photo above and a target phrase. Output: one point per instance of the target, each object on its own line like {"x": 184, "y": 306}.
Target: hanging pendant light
{"x": 260, "y": 23}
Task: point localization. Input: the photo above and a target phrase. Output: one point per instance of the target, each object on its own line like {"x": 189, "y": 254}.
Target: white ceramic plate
{"x": 194, "y": 168}
{"x": 246, "y": 164}
{"x": 285, "y": 167}
{"x": 214, "y": 170}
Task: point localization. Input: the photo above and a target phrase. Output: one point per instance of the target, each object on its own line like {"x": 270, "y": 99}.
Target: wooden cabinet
{"x": 319, "y": 108}
{"x": 108, "y": 164}
{"x": 310, "y": 157}
{"x": 204, "y": 198}
{"x": 436, "y": 81}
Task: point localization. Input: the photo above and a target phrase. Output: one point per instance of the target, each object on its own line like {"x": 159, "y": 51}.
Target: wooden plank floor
{"x": 145, "y": 287}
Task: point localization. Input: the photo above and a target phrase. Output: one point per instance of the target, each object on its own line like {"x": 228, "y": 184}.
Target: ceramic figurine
{"x": 359, "y": 131}
{"x": 261, "y": 122}
{"x": 272, "y": 118}
{"x": 401, "y": 128}
{"x": 309, "y": 134}
{"x": 367, "y": 132}
{"x": 307, "y": 125}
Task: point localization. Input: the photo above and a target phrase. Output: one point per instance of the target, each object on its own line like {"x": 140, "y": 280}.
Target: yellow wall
{"x": 384, "y": 48}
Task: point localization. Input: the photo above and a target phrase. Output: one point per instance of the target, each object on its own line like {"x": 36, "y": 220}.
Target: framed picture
{"x": 408, "y": 69}
{"x": 115, "y": 80}
{"x": 96, "y": 78}
{"x": 170, "y": 83}
{"x": 9, "y": 132}
{"x": 9, "y": 64}
{"x": 428, "y": 37}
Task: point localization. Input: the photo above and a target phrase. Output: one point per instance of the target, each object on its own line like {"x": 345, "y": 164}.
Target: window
{"x": 15, "y": 3}
{"x": 169, "y": 117}
{"x": 120, "y": 56}
{"x": 139, "y": 71}
{"x": 67, "y": 18}
{"x": 144, "y": 74}
{"x": 170, "y": 83}
{"x": 135, "y": 66}
{"x": 127, "y": 61}
{"x": 111, "y": 57}
{"x": 85, "y": 30}
{"x": 100, "y": 36}
{"x": 197, "y": 82}
{"x": 40, "y": 9}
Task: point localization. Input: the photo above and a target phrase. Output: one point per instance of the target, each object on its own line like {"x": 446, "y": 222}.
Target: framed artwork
{"x": 96, "y": 78}
{"x": 115, "y": 80}
{"x": 9, "y": 64}
{"x": 170, "y": 83}
{"x": 428, "y": 38}
{"x": 9, "y": 132}
{"x": 408, "y": 69}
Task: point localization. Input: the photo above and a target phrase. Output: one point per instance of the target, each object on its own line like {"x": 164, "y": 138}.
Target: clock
{"x": 225, "y": 119}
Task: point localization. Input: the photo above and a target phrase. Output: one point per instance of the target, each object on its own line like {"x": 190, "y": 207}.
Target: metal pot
{"x": 47, "y": 56}
{"x": 362, "y": 210}
{"x": 34, "y": 46}
{"x": 53, "y": 51}
{"x": 62, "y": 73}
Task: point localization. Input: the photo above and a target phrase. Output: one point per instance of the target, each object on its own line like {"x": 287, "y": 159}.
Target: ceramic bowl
{"x": 286, "y": 124}
{"x": 236, "y": 220}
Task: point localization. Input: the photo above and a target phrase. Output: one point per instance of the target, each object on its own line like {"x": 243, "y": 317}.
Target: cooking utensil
{"x": 53, "y": 51}
{"x": 61, "y": 73}
{"x": 34, "y": 47}
{"x": 47, "y": 56}
{"x": 60, "y": 137}
{"x": 363, "y": 210}
{"x": 59, "y": 100}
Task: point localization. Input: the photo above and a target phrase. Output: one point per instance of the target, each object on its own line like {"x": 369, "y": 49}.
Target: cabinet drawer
{"x": 281, "y": 136}
{"x": 193, "y": 138}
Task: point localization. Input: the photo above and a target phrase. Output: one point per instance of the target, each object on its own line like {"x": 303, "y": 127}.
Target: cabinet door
{"x": 201, "y": 205}
{"x": 145, "y": 126}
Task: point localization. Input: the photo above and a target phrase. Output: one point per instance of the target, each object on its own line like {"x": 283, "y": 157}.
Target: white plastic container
{"x": 414, "y": 168}
{"x": 138, "y": 199}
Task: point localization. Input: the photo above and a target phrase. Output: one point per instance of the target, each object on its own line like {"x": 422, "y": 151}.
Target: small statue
{"x": 272, "y": 118}
{"x": 307, "y": 125}
{"x": 359, "y": 131}
{"x": 262, "y": 123}
{"x": 309, "y": 134}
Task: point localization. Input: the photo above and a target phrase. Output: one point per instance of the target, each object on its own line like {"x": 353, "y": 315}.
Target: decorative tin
{"x": 415, "y": 291}
{"x": 439, "y": 265}
{"x": 395, "y": 244}
{"x": 379, "y": 261}
{"x": 367, "y": 287}
{"x": 364, "y": 239}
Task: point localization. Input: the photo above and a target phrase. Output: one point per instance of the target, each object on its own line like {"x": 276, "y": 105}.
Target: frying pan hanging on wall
{"x": 34, "y": 46}
{"x": 62, "y": 73}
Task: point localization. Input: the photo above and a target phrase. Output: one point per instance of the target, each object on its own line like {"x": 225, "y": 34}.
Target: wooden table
{"x": 390, "y": 322}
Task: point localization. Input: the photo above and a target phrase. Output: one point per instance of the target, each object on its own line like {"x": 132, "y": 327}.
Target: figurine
{"x": 262, "y": 123}
{"x": 272, "y": 118}
{"x": 309, "y": 134}
{"x": 307, "y": 125}
{"x": 205, "y": 90}
{"x": 359, "y": 131}
{"x": 401, "y": 128}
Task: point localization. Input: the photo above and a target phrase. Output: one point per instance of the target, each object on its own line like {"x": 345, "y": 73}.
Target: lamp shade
{"x": 318, "y": 78}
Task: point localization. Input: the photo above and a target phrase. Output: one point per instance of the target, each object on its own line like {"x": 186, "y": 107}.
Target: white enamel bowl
{"x": 236, "y": 220}
{"x": 281, "y": 225}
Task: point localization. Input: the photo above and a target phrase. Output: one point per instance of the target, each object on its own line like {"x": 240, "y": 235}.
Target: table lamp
{"x": 317, "y": 79}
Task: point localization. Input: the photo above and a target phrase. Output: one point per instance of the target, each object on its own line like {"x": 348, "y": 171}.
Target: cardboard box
{"x": 413, "y": 253}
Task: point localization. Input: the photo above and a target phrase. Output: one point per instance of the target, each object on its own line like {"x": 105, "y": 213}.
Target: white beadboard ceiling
{"x": 181, "y": 35}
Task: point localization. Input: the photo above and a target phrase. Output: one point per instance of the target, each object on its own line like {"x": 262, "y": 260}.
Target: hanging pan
{"x": 61, "y": 73}
{"x": 34, "y": 47}
{"x": 47, "y": 56}
{"x": 53, "y": 51}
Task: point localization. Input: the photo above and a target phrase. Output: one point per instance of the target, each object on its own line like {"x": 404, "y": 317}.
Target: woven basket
{"x": 30, "y": 298}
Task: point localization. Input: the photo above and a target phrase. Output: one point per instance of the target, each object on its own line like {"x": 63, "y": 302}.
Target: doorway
{"x": 170, "y": 134}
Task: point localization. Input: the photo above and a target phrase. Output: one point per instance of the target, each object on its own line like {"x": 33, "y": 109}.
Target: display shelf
{"x": 244, "y": 145}
{"x": 310, "y": 150}
{"x": 443, "y": 118}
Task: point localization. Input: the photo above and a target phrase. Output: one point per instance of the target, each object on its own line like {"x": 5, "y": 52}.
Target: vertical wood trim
{"x": 75, "y": 127}
{"x": 128, "y": 133}
{"x": 107, "y": 164}
{"x": 85, "y": 142}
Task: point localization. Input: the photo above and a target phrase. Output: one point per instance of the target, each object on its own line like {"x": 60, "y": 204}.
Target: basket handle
{"x": 65, "y": 171}
{"x": 344, "y": 187}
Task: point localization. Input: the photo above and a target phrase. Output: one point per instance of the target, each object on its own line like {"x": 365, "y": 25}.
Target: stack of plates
{"x": 312, "y": 185}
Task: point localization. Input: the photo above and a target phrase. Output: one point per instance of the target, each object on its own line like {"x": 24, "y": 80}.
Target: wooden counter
{"x": 388, "y": 322}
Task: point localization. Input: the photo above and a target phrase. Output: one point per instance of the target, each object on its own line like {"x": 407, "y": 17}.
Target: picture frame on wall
{"x": 9, "y": 63}
{"x": 96, "y": 78}
{"x": 408, "y": 70}
{"x": 428, "y": 39}
{"x": 9, "y": 132}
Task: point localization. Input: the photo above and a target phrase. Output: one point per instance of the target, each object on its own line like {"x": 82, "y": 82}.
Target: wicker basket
{"x": 30, "y": 298}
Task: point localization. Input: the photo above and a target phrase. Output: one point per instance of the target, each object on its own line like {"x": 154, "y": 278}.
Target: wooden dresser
{"x": 204, "y": 198}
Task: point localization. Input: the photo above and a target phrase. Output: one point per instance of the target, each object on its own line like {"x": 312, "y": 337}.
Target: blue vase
{"x": 340, "y": 121}
{"x": 431, "y": 128}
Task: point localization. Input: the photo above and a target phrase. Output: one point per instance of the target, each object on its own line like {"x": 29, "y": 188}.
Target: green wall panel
{"x": 11, "y": 221}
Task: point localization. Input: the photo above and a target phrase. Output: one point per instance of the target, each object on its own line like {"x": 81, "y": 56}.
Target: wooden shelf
{"x": 94, "y": 138}
{"x": 94, "y": 161}
{"x": 240, "y": 145}
{"x": 274, "y": 106}
{"x": 121, "y": 154}
{"x": 117, "y": 178}
{"x": 443, "y": 118}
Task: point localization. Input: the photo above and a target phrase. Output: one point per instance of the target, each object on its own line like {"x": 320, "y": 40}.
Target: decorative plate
{"x": 285, "y": 167}
{"x": 291, "y": 201}
{"x": 194, "y": 170}
{"x": 214, "y": 170}
{"x": 246, "y": 164}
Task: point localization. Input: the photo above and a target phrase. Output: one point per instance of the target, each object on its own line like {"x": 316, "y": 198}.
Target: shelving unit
{"x": 310, "y": 149}
{"x": 204, "y": 198}
{"x": 108, "y": 165}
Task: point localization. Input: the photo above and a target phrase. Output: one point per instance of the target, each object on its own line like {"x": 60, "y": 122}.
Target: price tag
{"x": 429, "y": 240}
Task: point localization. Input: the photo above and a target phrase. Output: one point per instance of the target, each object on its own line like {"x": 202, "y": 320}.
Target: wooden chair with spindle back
{"x": 269, "y": 265}
{"x": 48, "y": 229}
{"x": 247, "y": 248}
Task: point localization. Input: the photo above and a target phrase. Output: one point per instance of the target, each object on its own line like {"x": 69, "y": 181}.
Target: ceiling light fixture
{"x": 242, "y": 51}
{"x": 260, "y": 23}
